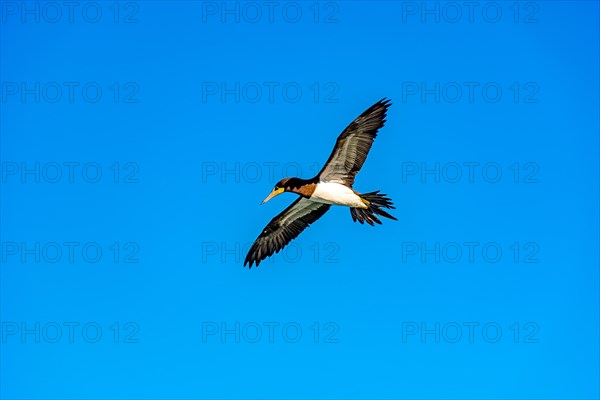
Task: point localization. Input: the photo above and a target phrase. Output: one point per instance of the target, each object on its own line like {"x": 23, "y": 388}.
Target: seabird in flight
{"x": 332, "y": 186}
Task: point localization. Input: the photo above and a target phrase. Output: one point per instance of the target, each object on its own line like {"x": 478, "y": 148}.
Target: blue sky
{"x": 137, "y": 140}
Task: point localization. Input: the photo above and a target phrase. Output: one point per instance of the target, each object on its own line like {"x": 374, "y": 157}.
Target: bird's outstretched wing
{"x": 284, "y": 228}
{"x": 353, "y": 145}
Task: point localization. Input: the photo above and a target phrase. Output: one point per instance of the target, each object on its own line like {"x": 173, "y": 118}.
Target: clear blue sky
{"x": 138, "y": 139}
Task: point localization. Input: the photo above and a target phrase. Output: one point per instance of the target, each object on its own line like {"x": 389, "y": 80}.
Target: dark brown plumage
{"x": 303, "y": 187}
{"x": 284, "y": 228}
{"x": 353, "y": 145}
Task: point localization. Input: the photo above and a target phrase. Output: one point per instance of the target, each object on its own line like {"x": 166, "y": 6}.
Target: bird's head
{"x": 280, "y": 187}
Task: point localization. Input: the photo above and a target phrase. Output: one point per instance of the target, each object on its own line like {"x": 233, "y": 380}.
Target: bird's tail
{"x": 375, "y": 203}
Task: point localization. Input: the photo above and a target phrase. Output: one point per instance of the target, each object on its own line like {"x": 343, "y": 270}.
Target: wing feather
{"x": 284, "y": 228}
{"x": 353, "y": 145}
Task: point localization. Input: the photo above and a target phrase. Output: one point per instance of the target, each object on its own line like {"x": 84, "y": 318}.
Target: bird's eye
{"x": 276, "y": 188}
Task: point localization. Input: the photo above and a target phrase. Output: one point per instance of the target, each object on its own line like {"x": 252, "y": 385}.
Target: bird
{"x": 331, "y": 186}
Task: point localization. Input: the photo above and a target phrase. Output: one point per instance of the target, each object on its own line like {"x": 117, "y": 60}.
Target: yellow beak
{"x": 273, "y": 194}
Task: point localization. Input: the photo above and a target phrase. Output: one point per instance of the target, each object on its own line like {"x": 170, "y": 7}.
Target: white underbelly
{"x": 336, "y": 193}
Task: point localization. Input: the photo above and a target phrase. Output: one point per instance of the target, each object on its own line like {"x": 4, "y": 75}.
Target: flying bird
{"x": 332, "y": 186}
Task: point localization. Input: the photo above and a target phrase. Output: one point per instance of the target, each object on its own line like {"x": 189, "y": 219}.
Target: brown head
{"x": 295, "y": 185}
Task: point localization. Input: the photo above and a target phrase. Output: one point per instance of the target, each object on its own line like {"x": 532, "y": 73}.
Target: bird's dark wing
{"x": 284, "y": 228}
{"x": 353, "y": 145}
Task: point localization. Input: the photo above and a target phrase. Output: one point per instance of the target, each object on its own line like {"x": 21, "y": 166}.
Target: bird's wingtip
{"x": 250, "y": 262}
{"x": 385, "y": 102}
